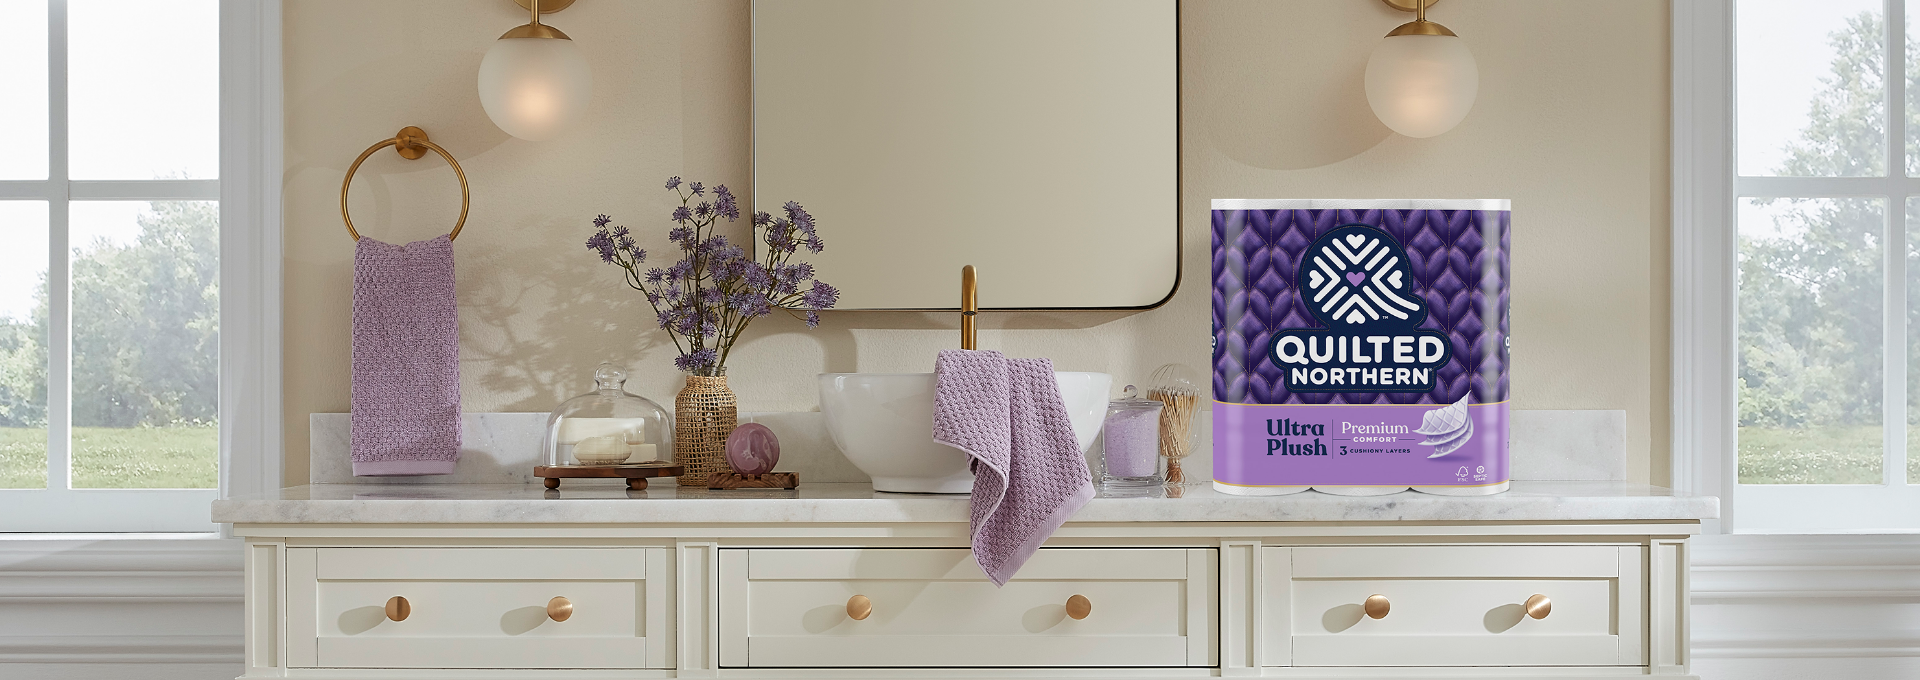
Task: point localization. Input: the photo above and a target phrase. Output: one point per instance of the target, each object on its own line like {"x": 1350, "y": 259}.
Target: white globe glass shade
{"x": 1422, "y": 85}
{"x": 534, "y": 87}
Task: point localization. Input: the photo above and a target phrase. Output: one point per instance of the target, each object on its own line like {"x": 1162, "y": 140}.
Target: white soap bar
{"x": 601, "y": 450}
{"x": 574, "y": 430}
{"x": 641, "y": 453}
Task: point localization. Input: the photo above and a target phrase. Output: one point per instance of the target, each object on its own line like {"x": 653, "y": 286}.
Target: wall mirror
{"x": 1035, "y": 139}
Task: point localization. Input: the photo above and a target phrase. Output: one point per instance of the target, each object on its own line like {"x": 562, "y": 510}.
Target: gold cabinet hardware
{"x": 1078, "y": 607}
{"x": 1377, "y": 606}
{"x": 859, "y": 607}
{"x": 1539, "y": 606}
{"x": 398, "y": 609}
{"x": 559, "y": 609}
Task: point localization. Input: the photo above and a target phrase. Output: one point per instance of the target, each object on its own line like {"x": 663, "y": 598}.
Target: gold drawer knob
{"x": 1377, "y": 606}
{"x": 559, "y": 609}
{"x": 859, "y": 607}
{"x": 1539, "y": 606}
{"x": 1078, "y": 607}
{"x": 398, "y": 609}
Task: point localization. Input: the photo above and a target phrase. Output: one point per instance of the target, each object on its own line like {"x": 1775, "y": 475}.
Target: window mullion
{"x": 59, "y": 268}
{"x": 1894, "y": 353}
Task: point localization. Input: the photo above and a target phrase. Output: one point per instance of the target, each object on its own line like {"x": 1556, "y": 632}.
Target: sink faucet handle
{"x": 969, "y": 307}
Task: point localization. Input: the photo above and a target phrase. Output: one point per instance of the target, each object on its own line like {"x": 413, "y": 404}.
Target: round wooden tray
{"x": 636, "y": 475}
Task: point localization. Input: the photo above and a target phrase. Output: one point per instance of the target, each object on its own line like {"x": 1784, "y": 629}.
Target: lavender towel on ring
{"x": 406, "y": 359}
{"x": 1029, "y": 474}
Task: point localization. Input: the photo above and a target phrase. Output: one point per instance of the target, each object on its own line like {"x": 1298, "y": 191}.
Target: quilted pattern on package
{"x": 1462, "y": 277}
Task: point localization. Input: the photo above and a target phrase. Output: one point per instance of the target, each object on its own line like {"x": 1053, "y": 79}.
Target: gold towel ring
{"x": 411, "y": 143}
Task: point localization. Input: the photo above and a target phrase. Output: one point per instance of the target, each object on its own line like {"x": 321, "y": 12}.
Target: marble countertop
{"x": 666, "y": 503}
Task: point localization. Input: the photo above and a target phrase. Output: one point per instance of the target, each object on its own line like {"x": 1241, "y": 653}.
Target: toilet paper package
{"x": 1360, "y": 346}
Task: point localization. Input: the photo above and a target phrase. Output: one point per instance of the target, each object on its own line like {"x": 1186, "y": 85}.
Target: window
{"x": 1825, "y": 252}
{"x": 110, "y": 265}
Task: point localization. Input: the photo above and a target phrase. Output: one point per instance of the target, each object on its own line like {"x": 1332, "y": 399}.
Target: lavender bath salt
{"x": 1130, "y": 451}
{"x": 1360, "y": 347}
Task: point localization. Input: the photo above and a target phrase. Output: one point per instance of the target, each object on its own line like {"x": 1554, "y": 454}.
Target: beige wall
{"x": 1571, "y": 124}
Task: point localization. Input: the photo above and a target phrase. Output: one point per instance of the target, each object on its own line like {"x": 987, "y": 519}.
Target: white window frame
{"x": 250, "y": 252}
{"x": 1706, "y": 187}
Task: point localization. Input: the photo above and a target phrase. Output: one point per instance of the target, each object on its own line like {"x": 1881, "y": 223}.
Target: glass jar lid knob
{"x": 608, "y": 377}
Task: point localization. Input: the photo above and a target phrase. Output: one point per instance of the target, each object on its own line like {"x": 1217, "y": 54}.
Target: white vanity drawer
{"x": 933, "y": 607}
{"x": 1463, "y": 605}
{"x": 476, "y": 607}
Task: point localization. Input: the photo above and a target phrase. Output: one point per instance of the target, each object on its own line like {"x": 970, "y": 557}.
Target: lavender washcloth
{"x": 1029, "y": 474}
{"x": 406, "y": 359}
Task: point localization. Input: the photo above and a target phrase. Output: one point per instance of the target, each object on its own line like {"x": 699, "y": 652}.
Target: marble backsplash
{"x": 502, "y": 448}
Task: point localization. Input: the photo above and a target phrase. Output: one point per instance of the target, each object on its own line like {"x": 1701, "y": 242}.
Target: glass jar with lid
{"x": 609, "y": 426}
{"x": 1130, "y": 442}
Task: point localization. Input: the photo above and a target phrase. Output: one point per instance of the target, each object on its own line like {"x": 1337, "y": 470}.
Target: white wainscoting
{"x": 147, "y": 608}
{"x": 1792, "y": 607}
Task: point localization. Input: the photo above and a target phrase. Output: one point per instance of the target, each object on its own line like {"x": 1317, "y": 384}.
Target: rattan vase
{"x": 703, "y": 415}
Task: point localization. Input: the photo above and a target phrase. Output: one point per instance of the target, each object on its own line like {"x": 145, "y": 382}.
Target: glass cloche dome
{"x": 609, "y": 426}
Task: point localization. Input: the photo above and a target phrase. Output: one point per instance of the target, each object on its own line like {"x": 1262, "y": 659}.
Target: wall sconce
{"x": 534, "y": 80}
{"x": 1421, "y": 80}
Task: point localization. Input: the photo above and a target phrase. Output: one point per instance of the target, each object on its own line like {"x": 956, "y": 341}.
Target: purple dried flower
{"x": 756, "y": 278}
{"x": 599, "y": 242}
{"x": 800, "y": 217}
{"x": 750, "y": 305}
{"x": 725, "y": 204}
{"x": 821, "y": 296}
{"x": 780, "y": 241}
{"x": 717, "y": 285}
{"x": 697, "y": 359}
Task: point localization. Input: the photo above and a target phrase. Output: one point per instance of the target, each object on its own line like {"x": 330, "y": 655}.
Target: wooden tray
{"x": 735, "y": 480}
{"x": 636, "y": 475}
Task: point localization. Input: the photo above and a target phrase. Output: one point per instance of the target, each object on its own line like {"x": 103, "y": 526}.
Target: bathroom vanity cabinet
{"x": 837, "y": 581}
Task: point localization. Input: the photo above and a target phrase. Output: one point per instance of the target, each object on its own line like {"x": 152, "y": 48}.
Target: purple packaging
{"x": 1360, "y": 347}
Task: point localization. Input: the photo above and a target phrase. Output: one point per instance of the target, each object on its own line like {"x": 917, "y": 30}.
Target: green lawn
{"x": 116, "y": 458}
{"x": 1825, "y": 455}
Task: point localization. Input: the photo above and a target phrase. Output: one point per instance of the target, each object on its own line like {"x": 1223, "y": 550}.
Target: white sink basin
{"x": 883, "y": 422}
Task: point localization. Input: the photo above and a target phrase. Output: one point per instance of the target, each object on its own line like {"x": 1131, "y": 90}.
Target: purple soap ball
{"x": 752, "y": 449}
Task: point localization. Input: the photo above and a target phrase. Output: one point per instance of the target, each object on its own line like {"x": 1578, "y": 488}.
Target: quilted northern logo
{"x": 1355, "y": 280}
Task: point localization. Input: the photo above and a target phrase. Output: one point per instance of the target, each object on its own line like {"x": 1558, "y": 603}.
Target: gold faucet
{"x": 969, "y": 307}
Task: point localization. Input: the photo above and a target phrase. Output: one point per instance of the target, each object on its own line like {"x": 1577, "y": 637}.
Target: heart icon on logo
{"x": 1354, "y": 240}
{"x": 1356, "y": 277}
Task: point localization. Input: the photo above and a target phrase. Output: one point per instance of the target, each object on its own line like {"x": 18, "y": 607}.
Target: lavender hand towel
{"x": 406, "y": 359}
{"x": 1029, "y": 474}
